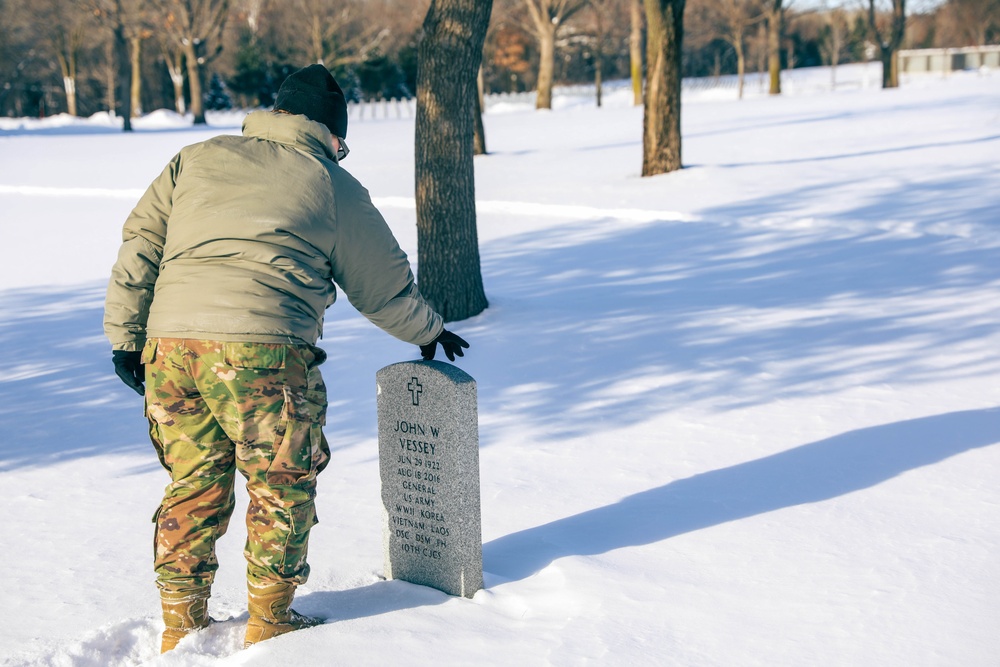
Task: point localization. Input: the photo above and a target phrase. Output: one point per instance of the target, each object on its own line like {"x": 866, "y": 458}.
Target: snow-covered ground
{"x": 742, "y": 414}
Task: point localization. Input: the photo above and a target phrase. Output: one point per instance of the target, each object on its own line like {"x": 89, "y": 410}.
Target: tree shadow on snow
{"x": 61, "y": 400}
{"x": 59, "y": 396}
{"x": 596, "y": 325}
{"x": 775, "y": 117}
{"x": 807, "y": 474}
{"x": 857, "y": 154}
{"x": 600, "y": 325}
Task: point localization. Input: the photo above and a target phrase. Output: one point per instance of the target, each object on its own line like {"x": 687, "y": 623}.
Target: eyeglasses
{"x": 343, "y": 151}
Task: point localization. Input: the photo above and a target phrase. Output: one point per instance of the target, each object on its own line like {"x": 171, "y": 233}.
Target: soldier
{"x": 216, "y": 301}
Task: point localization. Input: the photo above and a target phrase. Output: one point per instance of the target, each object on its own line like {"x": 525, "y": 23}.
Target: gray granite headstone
{"x": 428, "y": 436}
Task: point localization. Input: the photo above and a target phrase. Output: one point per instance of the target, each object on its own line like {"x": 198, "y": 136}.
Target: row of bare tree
{"x": 189, "y": 35}
{"x": 84, "y": 55}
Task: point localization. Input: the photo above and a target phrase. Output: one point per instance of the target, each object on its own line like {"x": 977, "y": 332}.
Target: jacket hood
{"x": 295, "y": 131}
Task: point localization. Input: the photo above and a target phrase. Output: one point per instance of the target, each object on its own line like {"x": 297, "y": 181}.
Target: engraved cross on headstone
{"x": 415, "y": 390}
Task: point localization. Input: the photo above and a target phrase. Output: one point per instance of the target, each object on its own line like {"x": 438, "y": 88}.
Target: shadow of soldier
{"x": 375, "y": 599}
{"x": 807, "y": 474}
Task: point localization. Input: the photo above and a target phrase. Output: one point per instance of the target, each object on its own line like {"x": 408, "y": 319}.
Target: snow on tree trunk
{"x": 69, "y": 85}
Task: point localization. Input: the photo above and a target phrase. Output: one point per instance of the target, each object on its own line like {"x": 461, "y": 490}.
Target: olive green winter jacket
{"x": 243, "y": 238}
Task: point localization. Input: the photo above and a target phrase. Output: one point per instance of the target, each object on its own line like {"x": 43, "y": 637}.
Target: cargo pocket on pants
{"x": 299, "y": 448}
{"x": 154, "y": 437}
{"x": 155, "y": 413}
{"x": 301, "y": 518}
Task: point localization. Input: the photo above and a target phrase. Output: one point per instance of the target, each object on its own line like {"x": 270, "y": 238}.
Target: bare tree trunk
{"x": 775, "y": 15}
{"x": 124, "y": 19}
{"x": 741, "y": 65}
{"x": 481, "y": 88}
{"x": 479, "y": 139}
{"x": 64, "y": 31}
{"x": 890, "y": 77}
{"x": 194, "y": 83}
{"x": 598, "y": 76}
{"x": 839, "y": 34}
{"x": 316, "y": 38}
{"x": 547, "y": 17}
{"x": 761, "y": 51}
{"x": 195, "y": 29}
{"x": 546, "y": 68}
{"x": 136, "y": 91}
{"x": 889, "y": 45}
{"x": 69, "y": 83}
{"x": 834, "y": 60}
{"x": 448, "y": 57}
{"x": 837, "y": 22}
{"x": 661, "y": 123}
{"x": 67, "y": 63}
{"x": 124, "y": 62}
{"x": 175, "y": 67}
{"x": 110, "y": 83}
{"x": 635, "y": 51}
{"x": 180, "y": 104}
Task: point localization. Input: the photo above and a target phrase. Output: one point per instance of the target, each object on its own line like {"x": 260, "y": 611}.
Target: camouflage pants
{"x": 218, "y": 407}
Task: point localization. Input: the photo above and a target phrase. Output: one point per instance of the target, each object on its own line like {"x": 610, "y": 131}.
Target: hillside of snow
{"x": 742, "y": 414}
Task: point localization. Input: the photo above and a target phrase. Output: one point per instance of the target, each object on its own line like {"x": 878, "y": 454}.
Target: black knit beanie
{"x": 313, "y": 92}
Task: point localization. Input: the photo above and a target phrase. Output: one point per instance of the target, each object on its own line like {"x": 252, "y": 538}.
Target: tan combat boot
{"x": 270, "y": 615}
{"x": 183, "y": 613}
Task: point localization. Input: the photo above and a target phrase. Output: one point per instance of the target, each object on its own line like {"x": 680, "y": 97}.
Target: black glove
{"x": 450, "y": 343}
{"x": 128, "y": 366}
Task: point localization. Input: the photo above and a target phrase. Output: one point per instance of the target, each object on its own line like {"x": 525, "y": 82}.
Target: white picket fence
{"x": 851, "y": 76}
{"x": 382, "y": 109}
{"x": 403, "y": 108}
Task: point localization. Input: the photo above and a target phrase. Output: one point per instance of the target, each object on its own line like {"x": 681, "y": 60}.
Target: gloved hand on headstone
{"x": 450, "y": 343}
{"x": 128, "y": 366}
